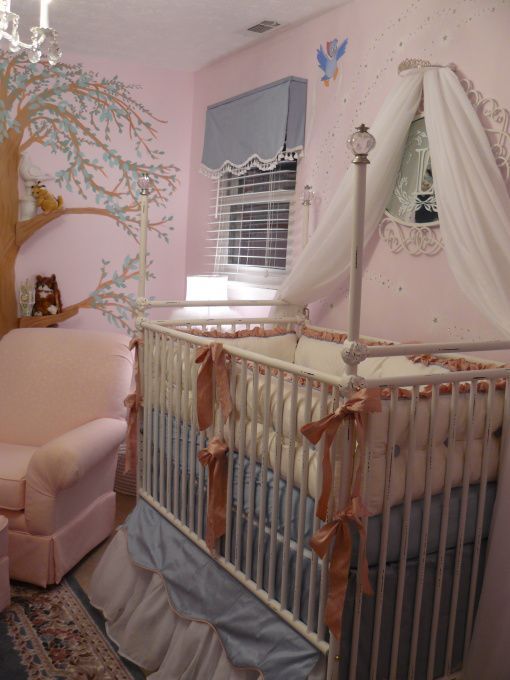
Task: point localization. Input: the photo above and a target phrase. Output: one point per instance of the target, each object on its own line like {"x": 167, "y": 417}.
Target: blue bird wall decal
{"x": 328, "y": 60}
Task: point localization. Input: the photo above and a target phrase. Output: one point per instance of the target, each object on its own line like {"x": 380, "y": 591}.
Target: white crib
{"x": 438, "y": 436}
{"x": 412, "y": 482}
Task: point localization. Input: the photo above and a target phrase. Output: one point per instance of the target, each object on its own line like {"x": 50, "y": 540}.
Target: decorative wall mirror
{"x": 411, "y": 218}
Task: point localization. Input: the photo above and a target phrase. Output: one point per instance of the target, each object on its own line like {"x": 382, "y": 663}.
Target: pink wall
{"x": 72, "y": 247}
{"x": 405, "y": 297}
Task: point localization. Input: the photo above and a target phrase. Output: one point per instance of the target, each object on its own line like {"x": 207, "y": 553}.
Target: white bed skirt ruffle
{"x": 142, "y": 622}
{"x": 148, "y": 631}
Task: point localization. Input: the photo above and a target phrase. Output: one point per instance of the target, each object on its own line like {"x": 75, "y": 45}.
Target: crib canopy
{"x": 473, "y": 204}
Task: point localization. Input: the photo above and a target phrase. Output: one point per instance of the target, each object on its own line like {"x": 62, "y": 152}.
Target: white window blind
{"x": 249, "y": 223}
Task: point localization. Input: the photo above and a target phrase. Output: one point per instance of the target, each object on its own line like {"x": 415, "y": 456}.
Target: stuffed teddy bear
{"x": 47, "y": 296}
{"x": 46, "y": 201}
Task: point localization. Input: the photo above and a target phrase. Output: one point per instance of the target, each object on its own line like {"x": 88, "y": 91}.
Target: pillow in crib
{"x": 322, "y": 351}
{"x": 390, "y": 367}
{"x": 277, "y": 343}
{"x": 320, "y": 355}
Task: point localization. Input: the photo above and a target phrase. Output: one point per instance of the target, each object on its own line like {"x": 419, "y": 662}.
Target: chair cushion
{"x": 54, "y": 380}
{"x": 14, "y": 460}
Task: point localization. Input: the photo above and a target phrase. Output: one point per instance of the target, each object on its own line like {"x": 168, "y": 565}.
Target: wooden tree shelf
{"x": 49, "y": 320}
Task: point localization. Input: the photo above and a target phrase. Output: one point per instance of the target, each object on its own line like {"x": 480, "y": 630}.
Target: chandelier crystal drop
{"x": 44, "y": 43}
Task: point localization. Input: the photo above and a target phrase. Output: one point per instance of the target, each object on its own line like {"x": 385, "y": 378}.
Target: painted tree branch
{"x": 79, "y": 116}
{"x": 27, "y": 228}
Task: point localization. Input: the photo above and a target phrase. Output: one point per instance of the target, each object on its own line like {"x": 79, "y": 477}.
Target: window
{"x": 250, "y": 219}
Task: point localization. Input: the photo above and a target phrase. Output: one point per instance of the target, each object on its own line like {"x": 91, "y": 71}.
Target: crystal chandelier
{"x": 44, "y": 39}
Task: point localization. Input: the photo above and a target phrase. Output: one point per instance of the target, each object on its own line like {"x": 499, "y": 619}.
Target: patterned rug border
{"x": 24, "y": 654}
{"x": 99, "y": 621}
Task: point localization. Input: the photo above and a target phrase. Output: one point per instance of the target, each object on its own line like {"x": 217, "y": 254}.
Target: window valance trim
{"x": 257, "y": 129}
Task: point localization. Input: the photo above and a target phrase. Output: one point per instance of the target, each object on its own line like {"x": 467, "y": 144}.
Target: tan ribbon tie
{"x": 215, "y": 458}
{"x": 133, "y": 402}
{"x": 363, "y": 402}
{"x": 212, "y": 357}
{"x": 338, "y": 532}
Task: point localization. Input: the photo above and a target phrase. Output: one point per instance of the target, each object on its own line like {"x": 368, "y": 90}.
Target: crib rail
{"x": 274, "y": 477}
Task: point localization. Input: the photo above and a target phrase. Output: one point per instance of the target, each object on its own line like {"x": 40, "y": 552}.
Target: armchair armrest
{"x": 64, "y": 460}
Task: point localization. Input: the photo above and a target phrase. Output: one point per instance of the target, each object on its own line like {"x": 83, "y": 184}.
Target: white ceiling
{"x": 179, "y": 34}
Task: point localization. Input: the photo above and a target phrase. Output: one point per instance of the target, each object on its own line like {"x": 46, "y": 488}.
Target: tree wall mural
{"x": 80, "y": 116}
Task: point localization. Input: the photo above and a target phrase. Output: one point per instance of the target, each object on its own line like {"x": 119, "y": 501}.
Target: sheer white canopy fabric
{"x": 473, "y": 205}
{"x": 326, "y": 257}
{"x": 472, "y": 200}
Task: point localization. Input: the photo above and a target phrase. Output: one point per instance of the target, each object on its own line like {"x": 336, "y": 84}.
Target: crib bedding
{"x": 390, "y": 589}
{"x": 268, "y": 452}
{"x": 263, "y": 522}
{"x": 200, "y": 590}
{"x": 278, "y": 493}
{"x": 283, "y": 437}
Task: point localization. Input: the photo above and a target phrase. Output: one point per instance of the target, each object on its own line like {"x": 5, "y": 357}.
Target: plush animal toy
{"x": 47, "y": 296}
{"x": 46, "y": 201}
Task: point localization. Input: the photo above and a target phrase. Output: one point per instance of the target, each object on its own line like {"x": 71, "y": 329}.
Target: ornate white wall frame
{"x": 423, "y": 240}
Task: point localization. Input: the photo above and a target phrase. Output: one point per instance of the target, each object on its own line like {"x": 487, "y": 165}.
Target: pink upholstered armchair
{"x": 62, "y": 419}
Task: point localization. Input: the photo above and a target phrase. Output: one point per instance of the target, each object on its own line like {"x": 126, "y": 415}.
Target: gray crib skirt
{"x": 200, "y": 589}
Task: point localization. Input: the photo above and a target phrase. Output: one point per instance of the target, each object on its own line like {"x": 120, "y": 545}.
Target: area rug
{"x": 55, "y": 634}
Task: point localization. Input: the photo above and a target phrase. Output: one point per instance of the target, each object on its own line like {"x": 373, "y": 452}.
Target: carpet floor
{"x": 55, "y": 634}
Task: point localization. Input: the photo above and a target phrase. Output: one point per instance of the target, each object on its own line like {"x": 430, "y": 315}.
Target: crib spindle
{"x": 150, "y": 413}
{"x": 424, "y": 533}
{"x": 201, "y": 490}
{"x": 312, "y": 594}
{"x": 275, "y": 510}
{"x": 242, "y": 457}
{"x": 383, "y": 551}
{"x": 482, "y": 494}
{"x": 146, "y": 388}
{"x": 170, "y": 425}
{"x": 230, "y": 474}
{"x": 253, "y": 460}
{"x": 192, "y": 453}
{"x": 288, "y": 493}
{"x": 177, "y": 426}
{"x": 358, "y": 600}
{"x": 161, "y": 416}
{"x": 445, "y": 515}
{"x": 473, "y": 394}
{"x": 184, "y": 431}
{"x": 404, "y": 541}
{"x": 263, "y": 481}
{"x": 303, "y": 492}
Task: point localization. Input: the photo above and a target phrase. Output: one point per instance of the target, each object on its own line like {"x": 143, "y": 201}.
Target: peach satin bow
{"x": 339, "y": 531}
{"x": 212, "y": 357}
{"x": 364, "y": 401}
{"x": 133, "y": 402}
{"x": 215, "y": 458}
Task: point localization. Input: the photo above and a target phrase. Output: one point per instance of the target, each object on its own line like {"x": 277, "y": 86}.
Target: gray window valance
{"x": 255, "y": 129}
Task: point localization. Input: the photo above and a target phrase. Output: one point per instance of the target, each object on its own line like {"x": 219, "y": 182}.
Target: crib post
{"x": 144, "y": 184}
{"x": 360, "y": 143}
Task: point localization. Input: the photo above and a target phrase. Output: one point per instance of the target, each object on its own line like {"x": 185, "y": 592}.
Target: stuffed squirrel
{"x": 47, "y": 296}
{"x": 46, "y": 201}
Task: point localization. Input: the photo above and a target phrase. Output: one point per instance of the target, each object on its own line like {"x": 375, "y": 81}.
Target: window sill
{"x": 243, "y": 290}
